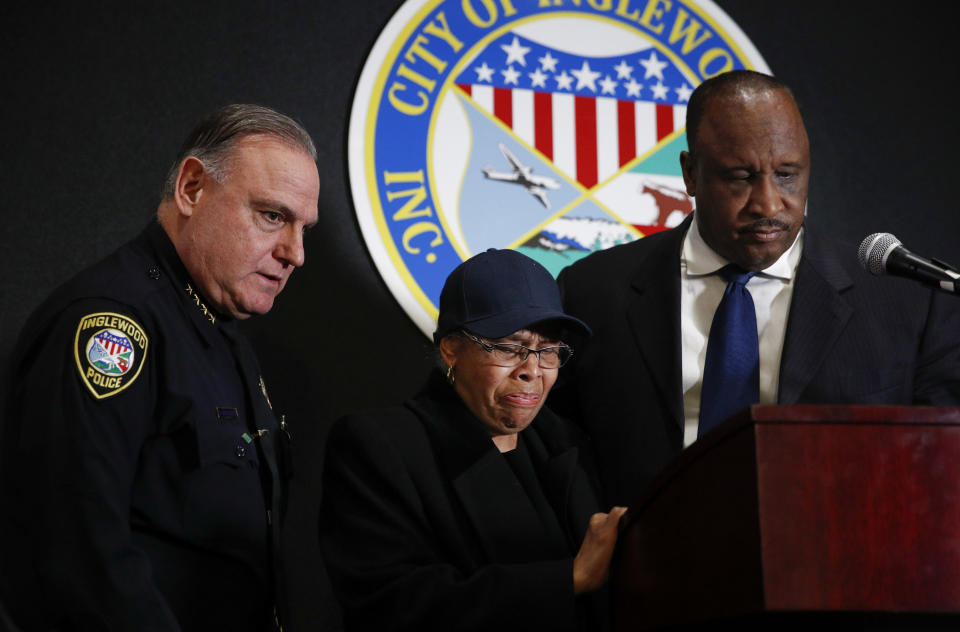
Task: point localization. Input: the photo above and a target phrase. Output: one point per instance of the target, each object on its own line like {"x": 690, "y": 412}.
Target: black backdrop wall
{"x": 97, "y": 98}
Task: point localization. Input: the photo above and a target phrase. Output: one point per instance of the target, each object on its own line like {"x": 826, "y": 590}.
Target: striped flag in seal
{"x": 590, "y": 116}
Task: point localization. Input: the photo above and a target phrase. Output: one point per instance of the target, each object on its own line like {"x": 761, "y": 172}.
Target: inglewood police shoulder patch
{"x": 109, "y": 349}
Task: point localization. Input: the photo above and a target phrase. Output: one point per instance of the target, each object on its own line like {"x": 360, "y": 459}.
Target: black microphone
{"x": 882, "y": 253}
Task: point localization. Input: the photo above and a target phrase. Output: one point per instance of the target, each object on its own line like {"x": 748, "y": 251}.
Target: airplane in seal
{"x": 523, "y": 175}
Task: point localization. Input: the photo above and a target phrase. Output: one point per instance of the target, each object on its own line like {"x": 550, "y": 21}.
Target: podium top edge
{"x": 757, "y": 416}
{"x": 818, "y": 413}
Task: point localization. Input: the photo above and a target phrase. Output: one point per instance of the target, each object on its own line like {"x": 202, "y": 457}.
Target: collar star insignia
{"x": 203, "y": 308}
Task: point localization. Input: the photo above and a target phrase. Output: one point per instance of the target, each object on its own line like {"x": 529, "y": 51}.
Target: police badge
{"x": 109, "y": 350}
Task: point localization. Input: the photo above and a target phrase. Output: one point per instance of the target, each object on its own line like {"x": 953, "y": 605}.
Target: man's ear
{"x": 688, "y": 166}
{"x": 192, "y": 176}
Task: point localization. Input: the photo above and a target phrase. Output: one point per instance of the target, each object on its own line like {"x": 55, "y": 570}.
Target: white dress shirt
{"x": 700, "y": 292}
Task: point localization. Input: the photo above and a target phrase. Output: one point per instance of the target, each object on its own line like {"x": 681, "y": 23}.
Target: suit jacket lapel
{"x": 654, "y": 314}
{"x": 818, "y": 314}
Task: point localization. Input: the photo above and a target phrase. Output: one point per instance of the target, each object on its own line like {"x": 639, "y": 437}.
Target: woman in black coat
{"x": 470, "y": 506}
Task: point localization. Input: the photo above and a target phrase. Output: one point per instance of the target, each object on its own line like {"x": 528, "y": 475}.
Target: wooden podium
{"x": 800, "y": 514}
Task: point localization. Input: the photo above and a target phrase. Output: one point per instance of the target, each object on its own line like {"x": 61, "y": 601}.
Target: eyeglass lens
{"x": 512, "y": 355}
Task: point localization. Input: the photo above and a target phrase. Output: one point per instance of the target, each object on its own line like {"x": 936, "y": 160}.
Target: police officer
{"x": 143, "y": 465}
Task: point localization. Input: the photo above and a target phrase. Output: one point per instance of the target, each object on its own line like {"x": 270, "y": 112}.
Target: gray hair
{"x": 214, "y": 137}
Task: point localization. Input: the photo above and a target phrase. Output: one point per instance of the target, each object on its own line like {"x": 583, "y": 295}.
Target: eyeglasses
{"x": 512, "y": 355}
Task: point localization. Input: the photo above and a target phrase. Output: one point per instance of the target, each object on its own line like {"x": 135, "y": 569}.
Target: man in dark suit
{"x": 826, "y": 331}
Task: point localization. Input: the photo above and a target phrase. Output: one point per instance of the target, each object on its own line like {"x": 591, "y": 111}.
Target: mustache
{"x": 766, "y": 222}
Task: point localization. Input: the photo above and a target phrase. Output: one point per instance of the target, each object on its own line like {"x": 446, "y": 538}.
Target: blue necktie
{"x": 731, "y": 372}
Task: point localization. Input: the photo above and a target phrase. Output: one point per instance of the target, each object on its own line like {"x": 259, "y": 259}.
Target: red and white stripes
{"x": 112, "y": 347}
{"x": 588, "y": 138}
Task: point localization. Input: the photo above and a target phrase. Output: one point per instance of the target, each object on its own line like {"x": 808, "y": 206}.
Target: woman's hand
{"x": 592, "y": 563}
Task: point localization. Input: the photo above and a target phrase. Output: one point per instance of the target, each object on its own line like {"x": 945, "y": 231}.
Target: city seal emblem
{"x": 552, "y": 127}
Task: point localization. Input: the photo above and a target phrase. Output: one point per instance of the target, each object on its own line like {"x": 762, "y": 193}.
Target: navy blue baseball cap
{"x": 497, "y": 292}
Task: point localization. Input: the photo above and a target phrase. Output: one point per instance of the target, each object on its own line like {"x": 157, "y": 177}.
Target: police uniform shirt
{"x": 139, "y": 457}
